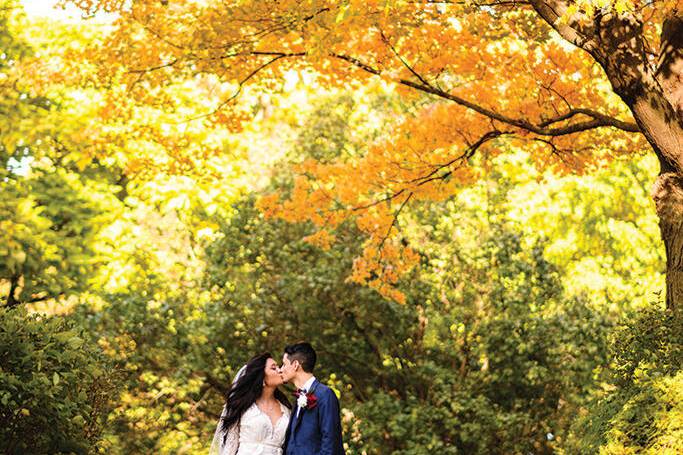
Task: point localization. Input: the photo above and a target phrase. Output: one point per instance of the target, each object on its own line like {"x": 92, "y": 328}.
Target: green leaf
{"x": 76, "y": 342}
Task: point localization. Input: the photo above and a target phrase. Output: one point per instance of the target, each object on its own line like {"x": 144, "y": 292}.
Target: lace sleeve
{"x": 225, "y": 444}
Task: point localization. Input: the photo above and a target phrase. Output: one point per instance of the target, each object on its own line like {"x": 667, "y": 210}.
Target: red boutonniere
{"x": 306, "y": 400}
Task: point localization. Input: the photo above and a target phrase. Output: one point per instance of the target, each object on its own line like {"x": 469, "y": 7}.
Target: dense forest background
{"x": 134, "y": 283}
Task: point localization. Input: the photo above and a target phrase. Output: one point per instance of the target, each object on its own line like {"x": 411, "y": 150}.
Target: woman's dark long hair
{"x": 247, "y": 389}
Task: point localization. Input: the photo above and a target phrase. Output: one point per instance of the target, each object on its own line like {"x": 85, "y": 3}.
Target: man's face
{"x": 288, "y": 368}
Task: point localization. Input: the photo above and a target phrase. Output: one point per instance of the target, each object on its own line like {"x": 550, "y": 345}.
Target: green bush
{"x": 54, "y": 386}
{"x": 502, "y": 375}
{"x": 642, "y": 410}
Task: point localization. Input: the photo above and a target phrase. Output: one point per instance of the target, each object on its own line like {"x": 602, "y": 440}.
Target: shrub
{"x": 54, "y": 386}
{"x": 642, "y": 411}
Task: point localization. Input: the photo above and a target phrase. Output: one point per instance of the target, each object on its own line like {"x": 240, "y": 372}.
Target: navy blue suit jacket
{"x": 316, "y": 431}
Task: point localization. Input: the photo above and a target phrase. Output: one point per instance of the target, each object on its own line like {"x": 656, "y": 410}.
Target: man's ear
{"x": 295, "y": 365}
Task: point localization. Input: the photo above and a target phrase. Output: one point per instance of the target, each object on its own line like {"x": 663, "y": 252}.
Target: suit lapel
{"x": 301, "y": 411}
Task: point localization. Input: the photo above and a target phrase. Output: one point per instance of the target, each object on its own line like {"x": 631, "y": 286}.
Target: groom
{"x": 315, "y": 427}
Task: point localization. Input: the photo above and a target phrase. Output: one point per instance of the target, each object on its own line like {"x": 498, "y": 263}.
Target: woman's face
{"x": 273, "y": 377}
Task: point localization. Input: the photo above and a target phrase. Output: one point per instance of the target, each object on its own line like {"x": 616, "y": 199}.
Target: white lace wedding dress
{"x": 256, "y": 434}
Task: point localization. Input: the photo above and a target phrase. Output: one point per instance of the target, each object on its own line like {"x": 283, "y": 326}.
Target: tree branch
{"x": 276, "y": 57}
{"x": 606, "y": 119}
{"x": 553, "y": 13}
{"x": 154, "y": 68}
{"x": 394, "y": 222}
{"x": 403, "y": 61}
{"x": 469, "y": 152}
{"x": 419, "y": 181}
{"x": 600, "y": 120}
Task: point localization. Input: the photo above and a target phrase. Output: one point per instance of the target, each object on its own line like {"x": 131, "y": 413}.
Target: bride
{"x": 256, "y": 413}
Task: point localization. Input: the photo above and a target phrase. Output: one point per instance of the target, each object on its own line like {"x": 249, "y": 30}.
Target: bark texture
{"x": 655, "y": 96}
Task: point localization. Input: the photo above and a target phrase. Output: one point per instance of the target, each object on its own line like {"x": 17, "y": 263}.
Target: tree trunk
{"x": 668, "y": 190}
{"x": 12, "y": 300}
{"x": 668, "y": 196}
{"x": 663, "y": 127}
{"x": 656, "y": 101}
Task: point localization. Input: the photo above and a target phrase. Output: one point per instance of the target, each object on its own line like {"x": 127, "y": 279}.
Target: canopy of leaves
{"x": 156, "y": 242}
{"x": 484, "y": 77}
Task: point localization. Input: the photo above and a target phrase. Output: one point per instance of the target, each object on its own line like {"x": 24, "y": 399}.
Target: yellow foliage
{"x": 495, "y": 76}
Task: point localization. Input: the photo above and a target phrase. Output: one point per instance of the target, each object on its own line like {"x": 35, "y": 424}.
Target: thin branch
{"x": 403, "y": 61}
{"x": 379, "y": 201}
{"x": 154, "y": 68}
{"x": 244, "y": 81}
{"x": 394, "y": 223}
{"x": 468, "y": 153}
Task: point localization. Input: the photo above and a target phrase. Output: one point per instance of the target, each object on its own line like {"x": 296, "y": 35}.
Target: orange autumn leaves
{"x": 416, "y": 163}
{"x": 424, "y": 158}
{"x": 502, "y": 58}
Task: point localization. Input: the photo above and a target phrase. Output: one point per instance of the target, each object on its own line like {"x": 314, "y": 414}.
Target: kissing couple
{"x": 258, "y": 419}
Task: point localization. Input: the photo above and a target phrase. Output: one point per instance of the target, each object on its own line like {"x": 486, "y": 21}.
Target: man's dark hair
{"x": 304, "y": 353}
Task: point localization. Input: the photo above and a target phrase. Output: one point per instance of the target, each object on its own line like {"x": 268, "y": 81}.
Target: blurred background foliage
{"x": 533, "y": 325}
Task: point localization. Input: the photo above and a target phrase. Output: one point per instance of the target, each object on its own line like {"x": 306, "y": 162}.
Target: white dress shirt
{"x": 307, "y": 388}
